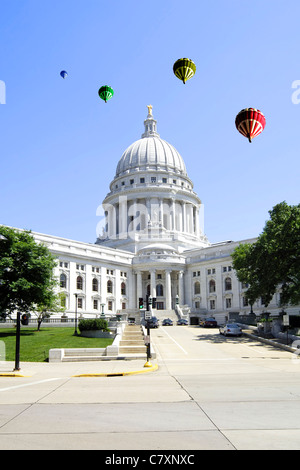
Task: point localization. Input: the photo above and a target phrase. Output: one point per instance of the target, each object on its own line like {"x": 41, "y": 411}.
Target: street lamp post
{"x": 18, "y": 334}
{"x": 102, "y": 313}
{"x": 76, "y": 302}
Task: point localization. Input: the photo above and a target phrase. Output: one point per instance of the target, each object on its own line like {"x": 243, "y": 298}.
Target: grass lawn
{"x": 35, "y": 345}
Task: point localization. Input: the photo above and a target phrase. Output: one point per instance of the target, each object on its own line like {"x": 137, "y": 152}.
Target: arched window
{"x": 197, "y": 288}
{"x": 79, "y": 283}
{"x": 159, "y": 290}
{"x": 212, "y": 286}
{"x": 63, "y": 281}
{"x": 228, "y": 284}
{"x": 95, "y": 285}
{"x": 123, "y": 288}
{"x": 109, "y": 287}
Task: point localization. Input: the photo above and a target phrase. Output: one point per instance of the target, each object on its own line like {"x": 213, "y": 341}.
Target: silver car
{"x": 230, "y": 329}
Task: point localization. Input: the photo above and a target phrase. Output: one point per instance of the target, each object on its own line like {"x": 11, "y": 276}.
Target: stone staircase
{"x": 132, "y": 341}
{"x": 162, "y": 314}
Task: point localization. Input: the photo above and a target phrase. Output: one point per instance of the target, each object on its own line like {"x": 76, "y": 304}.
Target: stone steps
{"x": 132, "y": 341}
{"x": 84, "y": 354}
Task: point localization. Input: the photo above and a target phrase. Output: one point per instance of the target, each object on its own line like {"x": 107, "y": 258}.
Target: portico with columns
{"x": 165, "y": 285}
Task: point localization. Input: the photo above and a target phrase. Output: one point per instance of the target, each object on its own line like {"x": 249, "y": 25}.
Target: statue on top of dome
{"x": 150, "y": 107}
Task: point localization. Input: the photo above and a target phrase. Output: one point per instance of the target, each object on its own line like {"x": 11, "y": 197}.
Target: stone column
{"x": 189, "y": 218}
{"x": 139, "y": 287}
{"x": 184, "y": 222}
{"x": 168, "y": 290}
{"x": 123, "y": 217}
{"x": 152, "y": 283}
{"x": 181, "y": 287}
{"x": 161, "y": 212}
{"x": 112, "y": 222}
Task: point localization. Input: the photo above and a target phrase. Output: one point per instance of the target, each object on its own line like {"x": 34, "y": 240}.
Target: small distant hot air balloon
{"x": 106, "y": 93}
{"x": 250, "y": 122}
{"x": 184, "y": 69}
{"x": 63, "y": 74}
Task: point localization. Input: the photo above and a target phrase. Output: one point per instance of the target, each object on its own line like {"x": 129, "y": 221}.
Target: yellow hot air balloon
{"x": 184, "y": 69}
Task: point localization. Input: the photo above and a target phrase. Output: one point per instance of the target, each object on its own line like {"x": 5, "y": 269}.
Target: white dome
{"x": 150, "y": 153}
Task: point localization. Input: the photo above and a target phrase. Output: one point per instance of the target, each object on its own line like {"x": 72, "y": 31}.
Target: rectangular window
{"x": 79, "y": 303}
{"x": 142, "y": 180}
{"x": 164, "y": 180}
{"x": 95, "y": 304}
{"x": 228, "y": 303}
{"x": 153, "y": 179}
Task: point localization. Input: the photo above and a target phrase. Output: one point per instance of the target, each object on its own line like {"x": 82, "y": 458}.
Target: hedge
{"x": 93, "y": 324}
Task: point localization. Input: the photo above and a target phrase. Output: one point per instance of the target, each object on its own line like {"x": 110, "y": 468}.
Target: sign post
{"x": 148, "y": 316}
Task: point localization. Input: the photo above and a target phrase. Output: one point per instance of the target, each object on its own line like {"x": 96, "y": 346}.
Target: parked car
{"x": 182, "y": 321}
{"x": 209, "y": 323}
{"x": 167, "y": 322}
{"x": 230, "y": 329}
{"x": 153, "y": 322}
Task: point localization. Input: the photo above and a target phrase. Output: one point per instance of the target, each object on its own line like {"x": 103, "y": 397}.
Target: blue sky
{"x": 60, "y": 144}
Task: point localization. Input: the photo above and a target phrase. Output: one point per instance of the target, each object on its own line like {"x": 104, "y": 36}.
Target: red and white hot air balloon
{"x": 250, "y": 122}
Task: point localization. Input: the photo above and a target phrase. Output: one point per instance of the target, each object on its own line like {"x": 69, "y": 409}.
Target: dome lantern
{"x": 150, "y": 124}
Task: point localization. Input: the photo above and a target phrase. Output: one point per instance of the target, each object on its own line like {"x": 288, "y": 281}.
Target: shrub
{"x": 93, "y": 324}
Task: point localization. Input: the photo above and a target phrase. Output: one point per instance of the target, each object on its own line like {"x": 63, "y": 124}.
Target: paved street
{"x": 209, "y": 392}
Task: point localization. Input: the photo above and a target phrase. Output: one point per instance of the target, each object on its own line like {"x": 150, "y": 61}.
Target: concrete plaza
{"x": 204, "y": 392}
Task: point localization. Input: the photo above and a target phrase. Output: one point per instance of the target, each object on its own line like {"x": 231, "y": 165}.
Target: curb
{"x": 13, "y": 374}
{"x": 118, "y": 374}
{"x": 271, "y": 342}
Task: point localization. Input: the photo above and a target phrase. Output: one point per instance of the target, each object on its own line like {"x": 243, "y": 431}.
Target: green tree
{"x": 26, "y": 273}
{"x": 274, "y": 259}
{"x": 51, "y": 305}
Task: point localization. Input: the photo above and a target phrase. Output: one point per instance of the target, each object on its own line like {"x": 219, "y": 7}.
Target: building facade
{"x": 152, "y": 244}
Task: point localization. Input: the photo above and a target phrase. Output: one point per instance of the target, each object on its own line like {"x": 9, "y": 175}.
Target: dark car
{"x": 167, "y": 322}
{"x": 182, "y": 321}
{"x": 152, "y": 323}
{"x": 209, "y": 323}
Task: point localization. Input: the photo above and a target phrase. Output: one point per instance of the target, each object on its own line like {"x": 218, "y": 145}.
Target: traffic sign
{"x": 286, "y": 320}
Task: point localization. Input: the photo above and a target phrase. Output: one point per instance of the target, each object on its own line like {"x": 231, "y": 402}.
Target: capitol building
{"x": 151, "y": 244}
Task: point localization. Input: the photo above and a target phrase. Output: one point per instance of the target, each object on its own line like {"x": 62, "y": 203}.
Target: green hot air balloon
{"x": 105, "y": 93}
{"x": 184, "y": 69}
